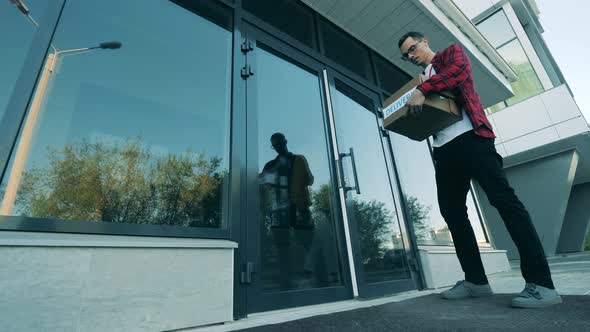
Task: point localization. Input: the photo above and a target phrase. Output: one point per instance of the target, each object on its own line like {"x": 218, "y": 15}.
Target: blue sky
{"x": 566, "y": 24}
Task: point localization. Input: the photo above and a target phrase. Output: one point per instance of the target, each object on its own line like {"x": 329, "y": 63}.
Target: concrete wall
{"x": 577, "y": 220}
{"x": 61, "y": 282}
{"x": 544, "y": 187}
{"x": 441, "y": 267}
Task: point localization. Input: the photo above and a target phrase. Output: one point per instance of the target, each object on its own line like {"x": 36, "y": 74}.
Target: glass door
{"x": 295, "y": 247}
{"x": 380, "y": 244}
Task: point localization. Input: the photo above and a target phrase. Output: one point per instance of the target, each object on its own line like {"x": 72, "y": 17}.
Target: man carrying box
{"x": 463, "y": 151}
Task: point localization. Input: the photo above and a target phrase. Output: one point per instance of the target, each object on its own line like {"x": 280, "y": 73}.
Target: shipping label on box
{"x": 398, "y": 104}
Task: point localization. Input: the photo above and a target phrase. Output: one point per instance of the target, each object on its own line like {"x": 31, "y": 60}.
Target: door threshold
{"x": 286, "y": 315}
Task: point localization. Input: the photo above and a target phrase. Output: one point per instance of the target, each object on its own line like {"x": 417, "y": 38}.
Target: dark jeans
{"x": 474, "y": 157}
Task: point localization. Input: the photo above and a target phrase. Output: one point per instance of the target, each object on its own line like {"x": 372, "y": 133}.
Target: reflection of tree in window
{"x": 373, "y": 222}
{"x": 124, "y": 183}
{"x": 420, "y": 217}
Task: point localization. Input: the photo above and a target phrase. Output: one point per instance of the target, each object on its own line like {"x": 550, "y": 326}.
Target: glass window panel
{"x": 475, "y": 220}
{"x": 416, "y": 171}
{"x": 391, "y": 77}
{"x": 496, "y": 108}
{"x": 528, "y": 83}
{"x": 497, "y": 29}
{"x": 138, "y": 134}
{"x": 345, "y": 50}
{"x": 289, "y": 16}
{"x": 16, "y": 33}
{"x": 299, "y": 248}
{"x": 373, "y": 210}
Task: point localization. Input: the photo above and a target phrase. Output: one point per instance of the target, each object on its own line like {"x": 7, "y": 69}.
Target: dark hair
{"x": 413, "y": 34}
{"x": 277, "y": 136}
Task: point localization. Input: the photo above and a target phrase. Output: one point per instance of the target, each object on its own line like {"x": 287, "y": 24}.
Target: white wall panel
{"x": 572, "y": 127}
{"x": 531, "y": 140}
{"x": 560, "y": 105}
{"x": 525, "y": 117}
{"x": 501, "y": 150}
{"x": 114, "y": 289}
{"x": 497, "y": 129}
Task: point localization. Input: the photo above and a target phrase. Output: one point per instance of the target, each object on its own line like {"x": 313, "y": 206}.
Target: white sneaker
{"x": 535, "y": 296}
{"x": 464, "y": 289}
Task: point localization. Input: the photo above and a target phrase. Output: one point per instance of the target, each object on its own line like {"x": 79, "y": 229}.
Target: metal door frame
{"x": 368, "y": 290}
{"x": 257, "y": 300}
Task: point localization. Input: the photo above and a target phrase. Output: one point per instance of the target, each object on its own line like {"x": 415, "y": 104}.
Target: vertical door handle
{"x": 356, "y": 179}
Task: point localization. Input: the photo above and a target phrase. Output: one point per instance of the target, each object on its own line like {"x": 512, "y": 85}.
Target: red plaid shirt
{"x": 453, "y": 73}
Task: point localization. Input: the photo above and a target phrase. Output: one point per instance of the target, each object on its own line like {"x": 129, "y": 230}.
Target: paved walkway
{"x": 431, "y": 313}
{"x": 571, "y": 276}
{"x": 426, "y": 311}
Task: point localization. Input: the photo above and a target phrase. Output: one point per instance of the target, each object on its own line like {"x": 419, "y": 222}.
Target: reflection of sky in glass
{"x": 163, "y": 85}
{"x": 289, "y": 102}
{"x": 513, "y": 54}
{"x": 16, "y": 34}
{"x": 474, "y": 218}
{"x": 416, "y": 172}
{"x": 496, "y": 29}
{"x": 356, "y": 128}
{"x": 528, "y": 83}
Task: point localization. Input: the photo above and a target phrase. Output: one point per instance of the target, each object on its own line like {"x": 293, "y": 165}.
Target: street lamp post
{"x": 22, "y": 149}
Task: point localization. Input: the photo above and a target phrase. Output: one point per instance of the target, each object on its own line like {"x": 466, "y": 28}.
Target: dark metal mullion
{"x": 318, "y": 33}
{"x": 506, "y": 43}
{"x": 373, "y": 64}
{"x": 251, "y": 199}
{"x": 34, "y": 224}
{"x": 238, "y": 205}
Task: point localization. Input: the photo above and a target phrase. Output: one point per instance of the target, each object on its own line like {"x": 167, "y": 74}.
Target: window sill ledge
{"x": 39, "y": 239}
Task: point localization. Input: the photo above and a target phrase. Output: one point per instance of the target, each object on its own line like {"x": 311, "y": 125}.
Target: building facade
{"x": 170, "y": 164}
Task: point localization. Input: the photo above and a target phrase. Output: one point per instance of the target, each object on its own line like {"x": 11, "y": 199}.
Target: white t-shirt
{"x": 449, "y": 133}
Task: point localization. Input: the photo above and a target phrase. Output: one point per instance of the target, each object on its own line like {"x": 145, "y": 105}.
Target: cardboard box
{"x": 438, "y": 112}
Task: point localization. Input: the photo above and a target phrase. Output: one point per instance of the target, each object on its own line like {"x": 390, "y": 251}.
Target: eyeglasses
{"x": 411, "y": 51}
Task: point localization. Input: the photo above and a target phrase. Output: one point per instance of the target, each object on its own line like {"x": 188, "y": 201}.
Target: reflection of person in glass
{"x": 289, "y": 177}
{"x": 286, "y": 205}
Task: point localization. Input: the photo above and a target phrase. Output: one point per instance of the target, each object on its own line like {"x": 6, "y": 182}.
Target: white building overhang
{"x": 380, "y": 23}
